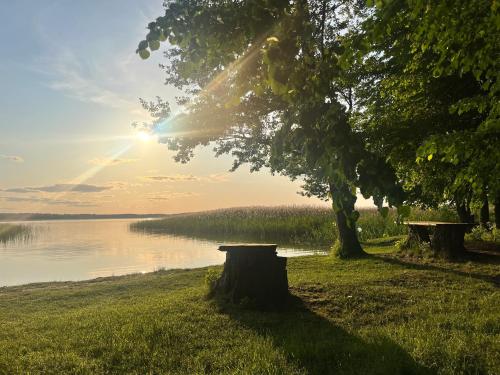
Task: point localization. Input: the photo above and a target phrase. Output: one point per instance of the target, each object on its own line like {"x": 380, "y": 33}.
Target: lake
{"x": 85, "y": 249}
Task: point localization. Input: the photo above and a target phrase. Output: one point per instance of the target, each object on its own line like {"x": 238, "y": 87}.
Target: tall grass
{"x": 12, "y": 232}
{"x": 284, "y": 225}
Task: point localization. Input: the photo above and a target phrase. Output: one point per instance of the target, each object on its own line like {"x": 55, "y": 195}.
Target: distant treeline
{"x": 38, "y": 216}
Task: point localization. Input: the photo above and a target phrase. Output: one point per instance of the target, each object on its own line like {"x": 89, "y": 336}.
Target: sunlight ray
{"x": 159, "y": 128}
{"x": 81, "y": 140}
{"x": 85, "y": 176}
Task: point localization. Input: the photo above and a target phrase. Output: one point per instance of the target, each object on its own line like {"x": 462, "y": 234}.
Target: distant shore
{"x": 40, "y": 216}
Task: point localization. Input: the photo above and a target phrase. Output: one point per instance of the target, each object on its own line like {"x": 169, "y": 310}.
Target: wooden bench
{"x": 255, "y": 272}
{"x": 446, "y": 239}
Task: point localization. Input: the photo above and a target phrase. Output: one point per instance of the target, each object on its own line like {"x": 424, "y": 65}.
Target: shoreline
{"x": 43, "y": 284}
{"x": 381, "y": 314}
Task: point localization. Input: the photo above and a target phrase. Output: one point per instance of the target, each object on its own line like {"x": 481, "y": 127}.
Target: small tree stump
{"x": 254, "y": 272}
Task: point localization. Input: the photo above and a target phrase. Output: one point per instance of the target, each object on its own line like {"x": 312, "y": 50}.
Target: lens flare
{"x": 144, "y": 136}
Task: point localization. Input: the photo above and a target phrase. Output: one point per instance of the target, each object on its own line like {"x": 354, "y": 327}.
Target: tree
{"x": 429, "y": 88}
{"x": 264, "y": 83}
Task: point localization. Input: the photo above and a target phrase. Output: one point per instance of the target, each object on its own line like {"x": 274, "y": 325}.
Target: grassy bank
{"x": 284, "y": 225}
{"x": 379, "y": 315}
{"x": 11, "y": 232}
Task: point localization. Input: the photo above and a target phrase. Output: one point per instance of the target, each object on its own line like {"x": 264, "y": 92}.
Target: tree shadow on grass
{"x": 472, "y": 255}
{"x": 321, "y": 347}
{"x": 484, "y": 250}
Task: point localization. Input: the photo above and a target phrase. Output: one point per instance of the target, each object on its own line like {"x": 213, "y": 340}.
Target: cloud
{"x": 168, "y": 195}
{"x": 50, "y": 201}
{"x": 18, "y": 190}
{"x": 184, "y": 177}
{"x": 111, "y": 161}
{"x": 82, "y": 82}
{"x": 14, "y": 158}
{"x": 110, "y": 81}
{"x": 59, "y": 188}
{"x": 178, "y": 177}
{"x": 113, "y": 77}
{"x": 122, "y": 185}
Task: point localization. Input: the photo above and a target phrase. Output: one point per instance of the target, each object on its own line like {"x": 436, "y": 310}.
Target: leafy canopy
{"x": 265, "y": 85}
{"x": 429, "y": 87}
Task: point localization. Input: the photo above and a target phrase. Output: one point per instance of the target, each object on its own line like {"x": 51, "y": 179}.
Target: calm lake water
{"x": 79, "y": 250}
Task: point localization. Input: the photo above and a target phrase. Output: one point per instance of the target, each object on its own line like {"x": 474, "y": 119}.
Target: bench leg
{"x": 418, "y": 234}
{"x": 448, "y": 241}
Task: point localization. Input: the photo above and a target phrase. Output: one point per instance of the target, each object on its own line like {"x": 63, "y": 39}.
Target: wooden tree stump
{"x": 254, "y": 272}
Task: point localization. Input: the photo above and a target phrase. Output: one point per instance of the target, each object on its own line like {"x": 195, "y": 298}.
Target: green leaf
{"x": 154, "y": 45}
{"x": 144, "y": 53}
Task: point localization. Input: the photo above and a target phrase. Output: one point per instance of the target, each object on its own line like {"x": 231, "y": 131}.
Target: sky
{"x": 70, "y": 88}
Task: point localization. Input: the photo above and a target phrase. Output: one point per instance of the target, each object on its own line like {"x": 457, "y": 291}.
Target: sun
{"x": 144, "y": 136}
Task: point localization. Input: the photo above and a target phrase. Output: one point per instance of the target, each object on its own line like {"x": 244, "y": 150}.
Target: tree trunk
{"x": 497, "y": 210}
{"x": 254, "y": 272}
{"x": 464, "y": 212}
{"x": 484, "y": 214}
{"x": 343, "y": 205}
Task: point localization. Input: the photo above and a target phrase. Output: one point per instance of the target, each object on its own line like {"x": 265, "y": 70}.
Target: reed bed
{"x": 13, "y": 232}
{"x": 299, "y": 225}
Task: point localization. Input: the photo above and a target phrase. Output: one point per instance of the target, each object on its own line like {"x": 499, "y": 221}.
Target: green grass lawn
{"x": 379, "y": 315}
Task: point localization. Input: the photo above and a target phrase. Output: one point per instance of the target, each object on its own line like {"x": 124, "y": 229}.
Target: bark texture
{"x": 464, "y": 212}
{"x": 343, "y": 205}
{"x": 497, "y": 211}
{"x": 484, "y": 214}
{"x": 255, "y": 273}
